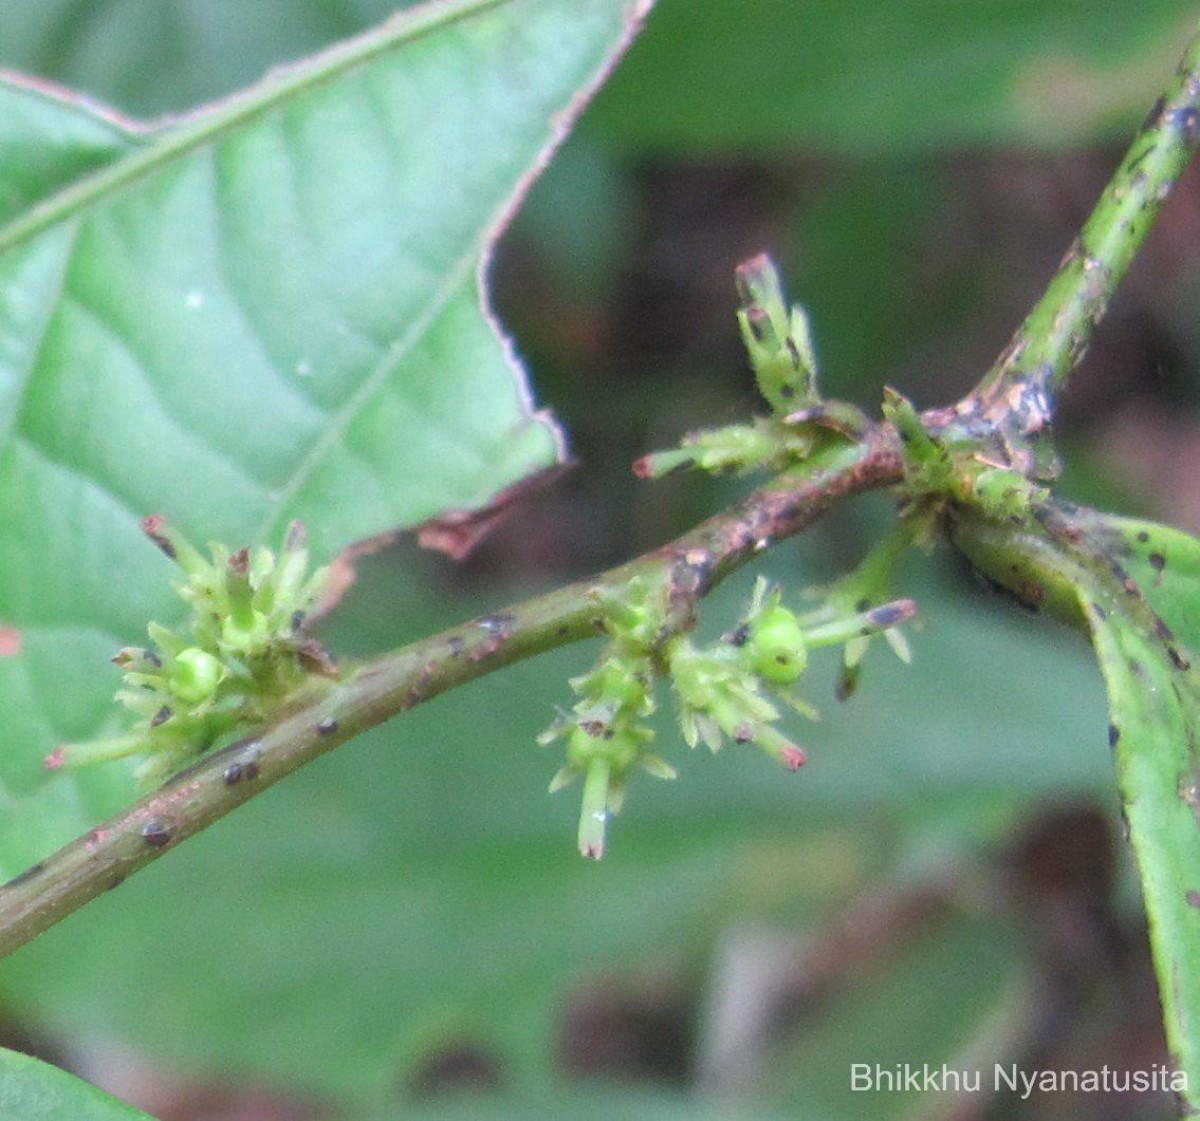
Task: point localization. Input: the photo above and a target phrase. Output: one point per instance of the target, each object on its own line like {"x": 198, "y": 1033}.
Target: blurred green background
{"x": 405, "y": 929}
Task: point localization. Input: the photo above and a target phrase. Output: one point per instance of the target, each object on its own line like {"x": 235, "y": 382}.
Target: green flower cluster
{"x": 779, "y": 345}
{"x": 605, "y": 731}
{"x": 246, "y": 650}
{"x": 725, "y": 690}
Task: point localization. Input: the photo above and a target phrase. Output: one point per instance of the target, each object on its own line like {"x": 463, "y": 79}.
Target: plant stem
{"x": 1013, "y": 405}
{"x": 320, "y": 719}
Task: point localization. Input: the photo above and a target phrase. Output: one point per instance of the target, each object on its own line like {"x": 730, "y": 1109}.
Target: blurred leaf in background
{"x": 407, "y": 921}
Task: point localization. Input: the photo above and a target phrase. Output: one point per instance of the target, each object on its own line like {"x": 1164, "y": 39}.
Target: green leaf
{"x": 1154, "y": 708}
{"x": 862, "y": 77}
{"x": 1132, "y": 584}
{"x": 50, "y": 141}
{"x": 1164, "y": 561}
{"x": 31, "y": 1090}
{"x": 269, "y": 310}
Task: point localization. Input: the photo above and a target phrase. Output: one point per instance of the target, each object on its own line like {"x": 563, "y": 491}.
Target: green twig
{"x": 1012, "y": 407}
{"x": 373, "y": 692}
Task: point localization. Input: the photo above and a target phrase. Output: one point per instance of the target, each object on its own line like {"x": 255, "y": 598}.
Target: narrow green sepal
{"x": 899, "y": 644}
{"x": 173, "y": 544}
{"x": 657, "y": 766}
{"x": 563, "y": 777}
{"x": 70, "y": 755}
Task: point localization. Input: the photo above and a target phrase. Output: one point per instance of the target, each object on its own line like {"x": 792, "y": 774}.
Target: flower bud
{"x": 776, "y": 645}
{"x": 195, "y": 675}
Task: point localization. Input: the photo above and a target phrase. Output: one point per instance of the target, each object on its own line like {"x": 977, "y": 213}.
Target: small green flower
{"x": 603, "y": 753}
{"x": 775, "y": 643}
{"x": 197, "y": 676}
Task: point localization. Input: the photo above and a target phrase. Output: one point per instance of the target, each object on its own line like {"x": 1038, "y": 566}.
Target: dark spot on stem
{"x": 739, "y": 635}
{"x": 1187, "y": 123}
{"x": 155, "y": 833}
{"x": 1099, "y": 612}
{"x": 1031, "y": 594}
{"x": 115, "y": 880}
{"x": 327, "y": 726}
{"x": 1114, "y": 735}
{"x": 1188, "y": 792}
{"x": 1128, "y": 583}
{"x": 161, "y": 716}
{"x": 1157, "y": 561}
{"x": 29, "y": 873}
{"x": 243, "y": 769}
{"x": 298, "y": 618}
{"x": 1155, "y": 115}
{"x": 457, "y": 643}
{"x": 1193, "y": 897}
{"x": 1177, "y": 659}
